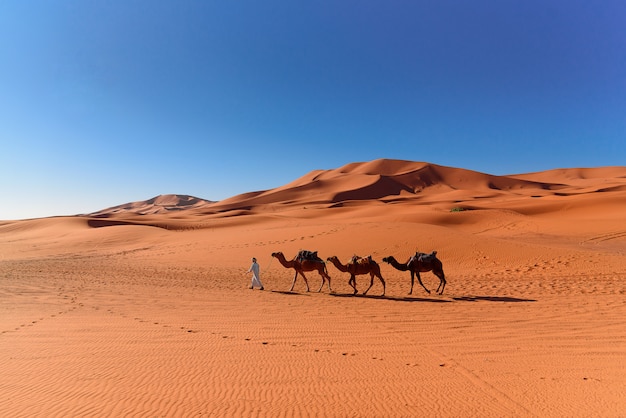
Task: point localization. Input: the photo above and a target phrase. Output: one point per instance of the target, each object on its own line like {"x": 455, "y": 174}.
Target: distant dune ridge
{"x": 158, "y": 204}
{"x": 392, "y": 181}
{"x": 143, "y": 309}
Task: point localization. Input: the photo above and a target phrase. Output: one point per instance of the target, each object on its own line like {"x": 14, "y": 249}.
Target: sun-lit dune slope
{"x": 387, "y": 181}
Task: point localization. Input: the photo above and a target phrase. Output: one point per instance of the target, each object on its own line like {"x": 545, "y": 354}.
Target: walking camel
{"x": 358, "y": 266}
{"x": 302, "y": 265}
{"x": 421, "y": 262}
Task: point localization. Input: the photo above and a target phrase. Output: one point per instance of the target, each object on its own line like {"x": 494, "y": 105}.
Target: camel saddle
{"x": 425, "y": 258}
{"x": 360, "y": 260}
{"x": 308, "y": 255}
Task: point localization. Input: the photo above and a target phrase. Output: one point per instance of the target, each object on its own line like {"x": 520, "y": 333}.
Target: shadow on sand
{"x": 396, "y": 299}
{"x": 491, "y": 299}
{"x": 443, "y": 299}
{"x": 287, "y": 292}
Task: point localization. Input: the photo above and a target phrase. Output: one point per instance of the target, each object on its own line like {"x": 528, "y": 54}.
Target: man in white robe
{"x": 256, "y": 277}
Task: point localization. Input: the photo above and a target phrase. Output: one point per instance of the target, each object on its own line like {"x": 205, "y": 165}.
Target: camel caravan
{"x": 306, "y": 261}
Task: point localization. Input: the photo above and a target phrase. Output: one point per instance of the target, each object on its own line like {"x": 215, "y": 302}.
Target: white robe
{"x": 256, "y": 277}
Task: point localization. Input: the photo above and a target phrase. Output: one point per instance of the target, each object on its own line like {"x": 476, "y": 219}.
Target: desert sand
{"x": 144, "y": 309}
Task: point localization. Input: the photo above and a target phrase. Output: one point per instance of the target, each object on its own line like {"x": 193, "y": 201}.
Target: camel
{"x": 421, "y": 262}
{"x": 358, "y": 266}
{"x": 302, "y": 265}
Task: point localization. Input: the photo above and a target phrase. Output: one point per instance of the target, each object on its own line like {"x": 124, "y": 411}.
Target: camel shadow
{"x": 491, "y": 299}
{"x": 287, "y": 292}
{"x": 392, "y": 298}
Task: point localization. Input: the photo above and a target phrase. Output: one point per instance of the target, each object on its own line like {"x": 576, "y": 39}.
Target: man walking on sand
{"x": 256, "y": 278}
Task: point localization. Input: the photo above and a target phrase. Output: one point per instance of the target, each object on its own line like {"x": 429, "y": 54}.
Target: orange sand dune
{"x": 159, "y": 204}
{"x": 386, "y": 180}
{"x": 144, "y": 309}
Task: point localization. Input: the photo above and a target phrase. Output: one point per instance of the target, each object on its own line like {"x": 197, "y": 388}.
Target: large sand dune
{"x": 144, "y": 309}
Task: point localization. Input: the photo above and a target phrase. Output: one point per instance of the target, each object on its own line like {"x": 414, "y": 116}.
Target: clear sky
{"x": 106, "y": 102}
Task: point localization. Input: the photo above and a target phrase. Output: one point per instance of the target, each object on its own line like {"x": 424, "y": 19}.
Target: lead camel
{"x": 421, "y": 263}
{"x": 300, "y": 266}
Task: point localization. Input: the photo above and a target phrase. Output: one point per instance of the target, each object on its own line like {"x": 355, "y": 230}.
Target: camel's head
{"x": 276, "y": 254}
{"x": 332, "y": 258}
{"x": 388, "y": 259}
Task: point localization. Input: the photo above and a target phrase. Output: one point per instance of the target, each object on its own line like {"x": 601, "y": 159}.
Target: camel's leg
{"x": 419, "y": 279}
{"x": 412, "y": 281}
{"x": 352, "y": 282}
{"x": 442, "y": 285}
{"x": 305, "y": 281}
{"x": 294, "y": 281}
{"x": 442, "y": 281}
{"x": 383, "y": 282}
{"x": 371, "y": 283}
{"x": 322, "y": 283}
{"x": 324, "y": 277}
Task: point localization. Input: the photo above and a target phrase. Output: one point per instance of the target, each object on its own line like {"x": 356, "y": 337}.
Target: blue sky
{"x": 106, "y": 102}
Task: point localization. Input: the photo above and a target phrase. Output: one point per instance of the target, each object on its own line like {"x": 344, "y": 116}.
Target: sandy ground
{"x": 151, "y": 315}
